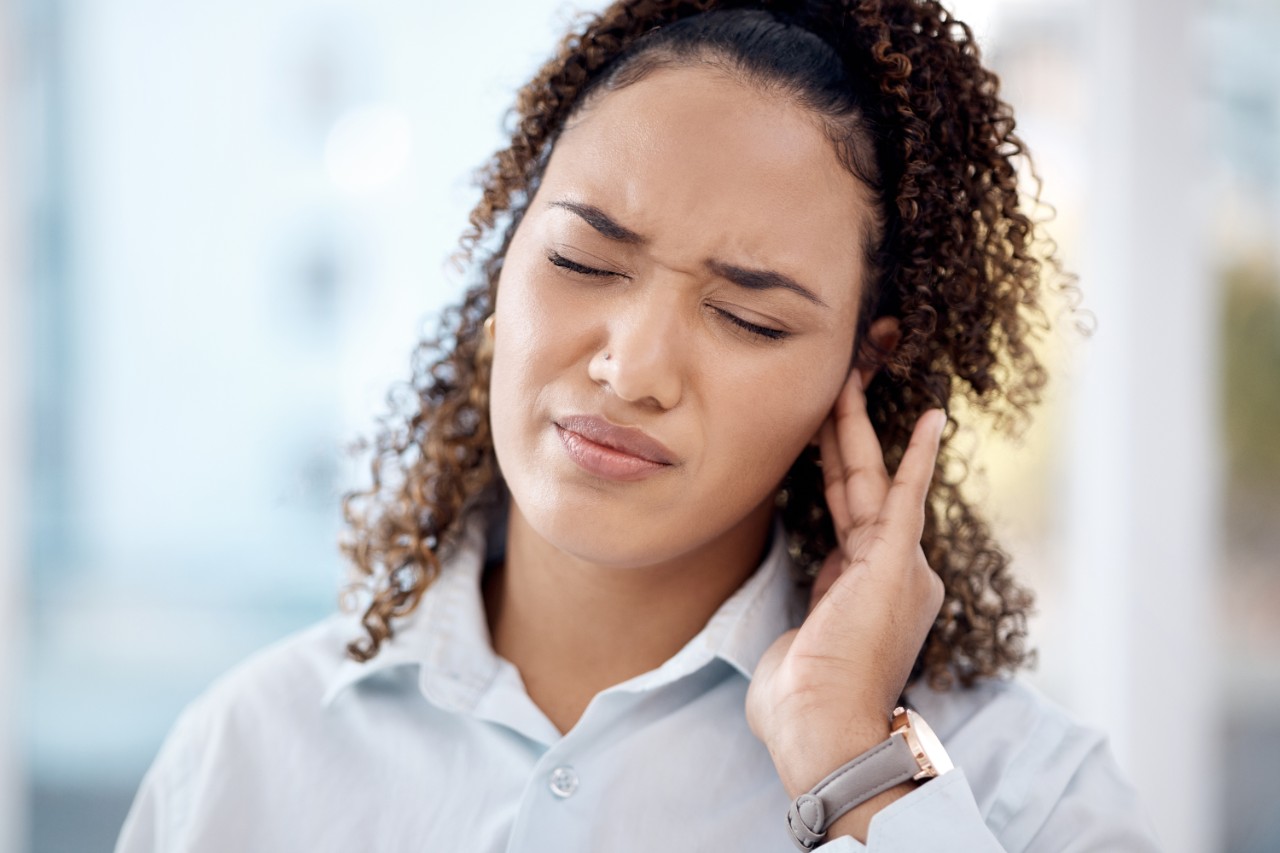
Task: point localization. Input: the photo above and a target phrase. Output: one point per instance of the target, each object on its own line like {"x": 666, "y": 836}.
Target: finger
{"x": 832, "y": 566}
{"x": 866, "y": 481}
{"x": 833, "y": 478}
{"x": 904, "y": 504}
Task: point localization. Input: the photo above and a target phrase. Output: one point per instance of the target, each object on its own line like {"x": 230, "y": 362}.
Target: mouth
{"x": 611, "y": 451}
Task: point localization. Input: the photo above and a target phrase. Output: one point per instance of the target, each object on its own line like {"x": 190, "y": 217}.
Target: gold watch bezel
{"x": 928, "y": 751}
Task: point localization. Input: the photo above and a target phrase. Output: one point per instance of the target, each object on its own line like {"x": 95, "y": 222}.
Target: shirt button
{"x": 564, "y": 782}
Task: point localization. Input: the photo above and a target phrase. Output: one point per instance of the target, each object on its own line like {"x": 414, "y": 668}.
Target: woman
{"x": 746, "y": 256}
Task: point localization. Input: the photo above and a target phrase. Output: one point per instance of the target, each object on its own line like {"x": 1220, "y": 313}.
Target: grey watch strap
{"x": 888, "y": 763}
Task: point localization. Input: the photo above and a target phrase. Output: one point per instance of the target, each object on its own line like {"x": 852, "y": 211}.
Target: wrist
{"x": 857, "y": 821}
{"x": 846, "y": 799}
{"x": 805, "y": 755}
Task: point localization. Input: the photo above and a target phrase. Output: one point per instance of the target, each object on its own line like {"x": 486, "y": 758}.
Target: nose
{"x": 642, "y": 360}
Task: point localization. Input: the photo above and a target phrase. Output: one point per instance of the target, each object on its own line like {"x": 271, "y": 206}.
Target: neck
{"x": 574, "y": 628}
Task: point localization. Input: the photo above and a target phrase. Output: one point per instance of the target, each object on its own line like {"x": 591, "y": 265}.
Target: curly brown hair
{"x": 956, "y": 256}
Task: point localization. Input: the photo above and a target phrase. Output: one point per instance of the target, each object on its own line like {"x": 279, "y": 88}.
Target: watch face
{"x": 929, "y": 743}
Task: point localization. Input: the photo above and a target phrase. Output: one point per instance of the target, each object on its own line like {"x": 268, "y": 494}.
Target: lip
{"x": 611, "y": 451}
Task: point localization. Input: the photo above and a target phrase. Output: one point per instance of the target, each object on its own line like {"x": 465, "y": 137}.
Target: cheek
{"x": 768, "y": 422}
{"x": 539, "y": 316}
{"x": 514, "y": 326}
{"x": 538, "y": 340}
{"x": 524, "y": 342}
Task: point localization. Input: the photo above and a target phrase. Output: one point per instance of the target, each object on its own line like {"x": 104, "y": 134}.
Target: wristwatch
{"x": 912, "y": 751}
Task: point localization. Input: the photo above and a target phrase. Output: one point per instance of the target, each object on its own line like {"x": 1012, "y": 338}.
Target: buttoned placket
{"x": 567, "y": 777}
{"x": 567, "y": 782}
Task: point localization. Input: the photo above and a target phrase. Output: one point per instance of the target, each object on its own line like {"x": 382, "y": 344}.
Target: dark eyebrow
{"x": 599, "y": 220}
{"x": 751, "y": 279}
{"x": 762, "y": 280}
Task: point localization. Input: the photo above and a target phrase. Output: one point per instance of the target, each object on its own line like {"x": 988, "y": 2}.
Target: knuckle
{"x": 855, "y": 471}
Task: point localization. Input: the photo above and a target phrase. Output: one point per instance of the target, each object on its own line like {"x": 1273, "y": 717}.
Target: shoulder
{"x": 268, "y": 699}
{"x": 228, "y": 748}
{"x": 1000, "y": 728}
{"x": 292, "y": 673}
{"x": 1012, "y": 705}
{"x": 1026, "y": 757}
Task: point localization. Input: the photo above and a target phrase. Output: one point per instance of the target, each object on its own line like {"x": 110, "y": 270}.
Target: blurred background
{"x": 223, "y": 226}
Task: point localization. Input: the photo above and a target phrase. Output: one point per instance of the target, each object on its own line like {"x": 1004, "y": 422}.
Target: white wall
{"x": 1143, "y": 502}
{"x": 13, "y": 461}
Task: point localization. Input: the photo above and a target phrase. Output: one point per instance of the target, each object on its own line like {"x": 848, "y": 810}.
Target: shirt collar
{"x": 761, "y": 610}
{"x": 447, "y": 636}
{"x": 447, "y": 633}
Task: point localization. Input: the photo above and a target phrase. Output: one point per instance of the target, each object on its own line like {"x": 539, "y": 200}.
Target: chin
{"x": 594, "y": 532}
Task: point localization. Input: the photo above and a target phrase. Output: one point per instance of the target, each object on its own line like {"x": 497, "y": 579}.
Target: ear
{"x": 882, "y": 338}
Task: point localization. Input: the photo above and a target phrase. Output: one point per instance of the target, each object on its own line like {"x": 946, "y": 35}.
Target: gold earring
{"x": 484, "y": 346}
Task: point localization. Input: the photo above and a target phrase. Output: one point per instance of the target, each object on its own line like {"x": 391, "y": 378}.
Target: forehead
{"x": 706, "y": 166}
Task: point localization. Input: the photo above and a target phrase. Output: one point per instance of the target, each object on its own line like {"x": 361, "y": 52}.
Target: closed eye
{"x": 573, "y": 266}
{"x": 759, "y": 331}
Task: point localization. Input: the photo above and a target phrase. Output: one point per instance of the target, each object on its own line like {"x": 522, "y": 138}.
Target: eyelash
{"x": 563, "y": 262}
{"x": 764, "y": 332}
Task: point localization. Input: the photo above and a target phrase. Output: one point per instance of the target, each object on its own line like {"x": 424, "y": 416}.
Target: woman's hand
{"x": 824, "y": 693}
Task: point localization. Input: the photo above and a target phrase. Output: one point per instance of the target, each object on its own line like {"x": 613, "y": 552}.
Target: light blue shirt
{"x": 434, "y": 745}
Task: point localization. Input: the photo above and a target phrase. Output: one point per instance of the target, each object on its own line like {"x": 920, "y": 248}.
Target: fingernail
{"x": 941, "y": 418}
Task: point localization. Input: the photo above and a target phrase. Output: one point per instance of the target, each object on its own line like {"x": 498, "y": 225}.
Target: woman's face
{"x": 689, "y": 269}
